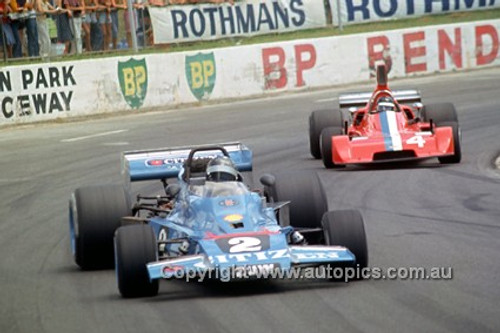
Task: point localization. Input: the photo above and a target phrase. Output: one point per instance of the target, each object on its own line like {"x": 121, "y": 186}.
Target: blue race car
{"x": 209, "y": 221}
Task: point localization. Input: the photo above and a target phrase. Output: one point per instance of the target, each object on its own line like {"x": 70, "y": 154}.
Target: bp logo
{"x": 133, "y": 76}
{"x": 201, "y": 74}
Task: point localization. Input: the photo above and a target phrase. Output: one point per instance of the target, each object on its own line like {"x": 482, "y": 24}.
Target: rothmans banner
{"x": 364, "y": 11}
{"x": 175, "y": 24}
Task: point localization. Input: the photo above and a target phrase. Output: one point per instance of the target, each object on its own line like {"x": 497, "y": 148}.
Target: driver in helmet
{"x": 386, "y": 104}
{"x": 222, "y": 169}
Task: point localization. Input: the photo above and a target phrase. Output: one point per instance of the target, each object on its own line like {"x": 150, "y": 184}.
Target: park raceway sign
{"x": 40, "y": 90}
{"x": 174, "y": 24}
{"x": 363, "y": 11}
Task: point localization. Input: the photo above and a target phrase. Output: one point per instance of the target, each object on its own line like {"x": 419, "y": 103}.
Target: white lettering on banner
{"x": 244, "y": 18}
{"x": 43, "y": 90}
{"x": 359, "y": 11}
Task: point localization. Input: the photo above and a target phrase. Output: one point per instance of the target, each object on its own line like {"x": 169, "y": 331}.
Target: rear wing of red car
{"x": 360, "y": 99}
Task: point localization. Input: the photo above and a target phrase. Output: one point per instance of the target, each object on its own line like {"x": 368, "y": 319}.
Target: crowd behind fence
{"x": 47, "y": 28}
{"x": 43, "y": 28}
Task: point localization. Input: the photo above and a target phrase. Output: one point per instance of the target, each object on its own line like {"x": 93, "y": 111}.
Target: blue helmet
{"x": 221, "y": 169}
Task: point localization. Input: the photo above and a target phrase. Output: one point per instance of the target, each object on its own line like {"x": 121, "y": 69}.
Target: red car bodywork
{"x": 389, "y": 135}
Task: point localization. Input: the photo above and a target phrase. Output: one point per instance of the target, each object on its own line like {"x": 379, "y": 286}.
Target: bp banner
{"x": 361, "y": 11}
{"x": 175, "y": 24}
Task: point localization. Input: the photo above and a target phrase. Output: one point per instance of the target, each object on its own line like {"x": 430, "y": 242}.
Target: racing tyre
{"x": 439, "y": 113}
{"x": 318, "y": 120}
{"x": 457, "y": 138}
{"x": 346, "y": 228}
{"x": 327, "y": 147}
{"x": 135, "y": 246}
{"x": 306, "y": 195}
{"x": 94, "y": 215}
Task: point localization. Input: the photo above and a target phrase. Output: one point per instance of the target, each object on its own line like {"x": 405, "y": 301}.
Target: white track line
{"x": 94, "y": 136}
{"x": 326, "y": 100}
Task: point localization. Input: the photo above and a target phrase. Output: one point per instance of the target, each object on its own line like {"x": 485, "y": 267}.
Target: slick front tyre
{"x": 307, "y": 199}
{"x": 94, "y": 214}
{"x": 327, "y": 147}
{"x": 318, "y": 120}
{"x": 439, "y": 113}
{"x": 346, "y": 228}
{"x": 457, "y": 138}
{"x": 135, "y": 246}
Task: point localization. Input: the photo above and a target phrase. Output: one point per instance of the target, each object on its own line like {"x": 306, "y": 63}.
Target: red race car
{"x": 383, "y": 129}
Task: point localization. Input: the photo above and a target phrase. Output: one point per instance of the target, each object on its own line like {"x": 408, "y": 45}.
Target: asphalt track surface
{"x": 417, "y": 215}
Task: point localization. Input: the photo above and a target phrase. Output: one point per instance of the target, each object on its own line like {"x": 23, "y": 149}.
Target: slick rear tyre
{"x": 439, "y": 113}
{"x": 318, "y": 120}
{"x": 94, "y": 214}
{"x": 135, "y": 246}
{"x": 457, "y": 138}
{"x": 306, "y": 195}
{"x": 346, "y": 228}
{"x": 327, "y": 147}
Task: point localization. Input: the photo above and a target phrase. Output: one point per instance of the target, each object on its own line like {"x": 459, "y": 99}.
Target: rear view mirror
{"x": 267, "y": 180}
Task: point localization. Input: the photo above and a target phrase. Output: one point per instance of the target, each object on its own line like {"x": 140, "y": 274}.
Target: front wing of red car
{"x": 394, "y": 147}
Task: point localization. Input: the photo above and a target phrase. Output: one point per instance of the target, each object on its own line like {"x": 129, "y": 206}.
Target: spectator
{"x": 96, "y": 36}
{"x": 184, "y": 2}
{"x": 76, "y": 8}
{"x": 88, "y": 18}
{"x": 103, "y": 7}
{"x": 158, "y": 3}
{"x": 144, "y": 28}
{"x": 115, "y": 5}
{"x": 31, "y": 28}
{"x": 63, "y": 28}
{"x": 17, "y": 47}
{"x": 7, "y": 28}
{"x": 43, "y": 7}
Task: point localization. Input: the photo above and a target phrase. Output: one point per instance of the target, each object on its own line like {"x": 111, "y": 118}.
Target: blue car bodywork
{"x": 216, "y": 226}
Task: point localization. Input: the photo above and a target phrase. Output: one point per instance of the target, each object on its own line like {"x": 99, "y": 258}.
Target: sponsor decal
{"x": 450, "y": 45}
{"x": 133, "y": 77}
{"x": 250, "y": 256}
{"x": 168, "y": 270}
{"x": 228, "y": 203}
{"x": 280, "y": 66}
{"x": 166, "y": 162}
{"x": 379, "y": 54}
{"x": 42, "y": 90}
{"x": 245, "y": 18}
{"x": 254, "y": 270}
{"x": 309, "y": 254}
{"x": 203, "y": 21}
{"x": 201, "y": 74}
{"x": 233, "y": 218}
{"x": 357, "y": 11}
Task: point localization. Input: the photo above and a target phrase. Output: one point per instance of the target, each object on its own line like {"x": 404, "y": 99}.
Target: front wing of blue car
{"x": 250, "y": 263}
